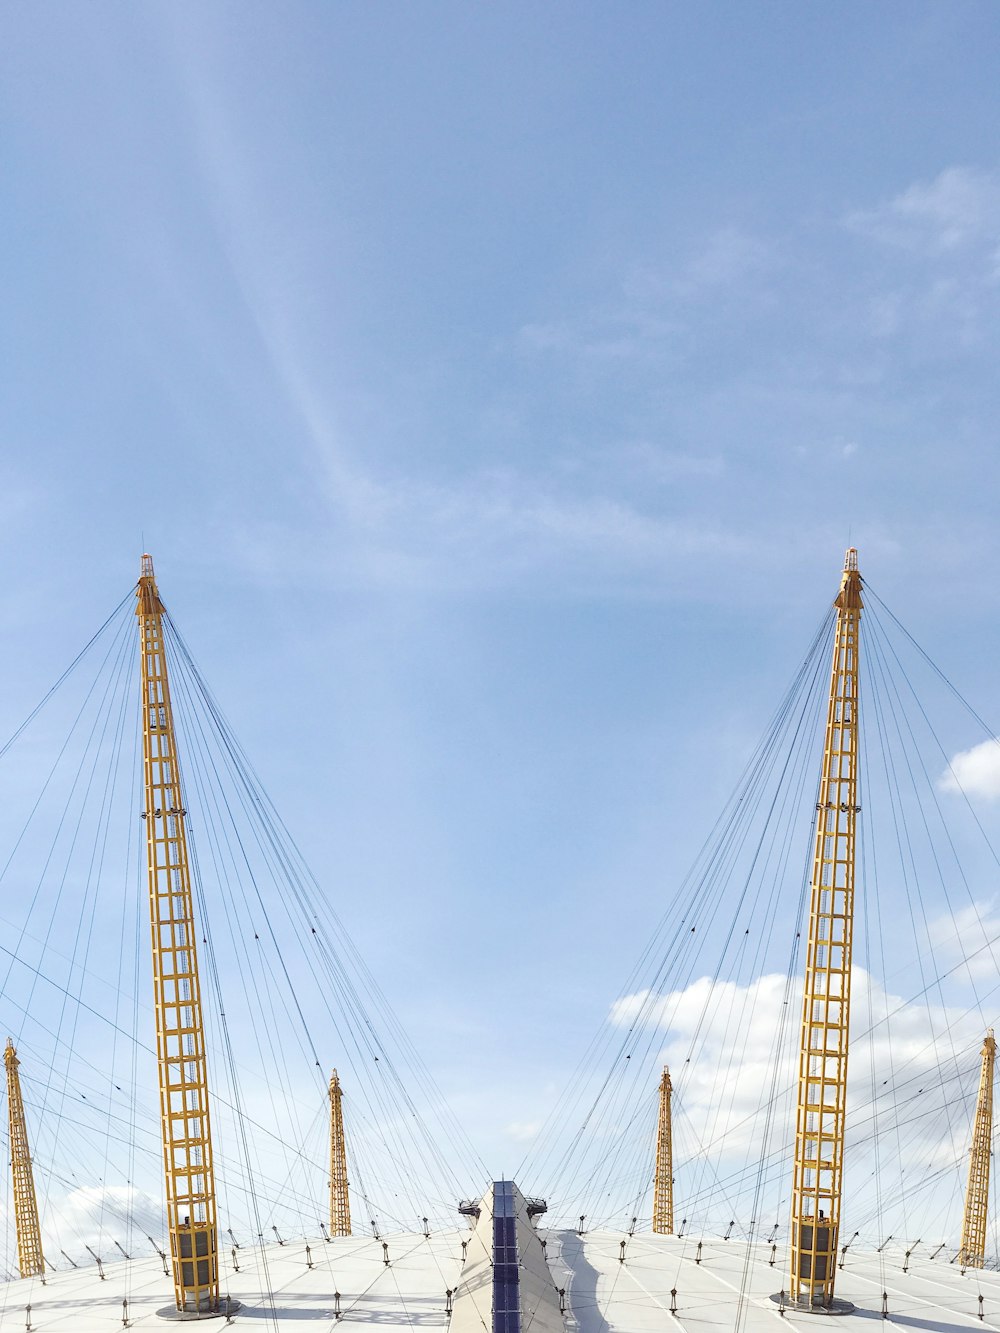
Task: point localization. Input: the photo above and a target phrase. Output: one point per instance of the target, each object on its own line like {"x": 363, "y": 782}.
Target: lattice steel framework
{"x": 826, "y": 1002}
{"x": 663, "y": 1185}
{"x": 30, "y": 1258}
{"x": 340, "y": 1198}
{"x": 180, "y": 1036}
{"x": 977, "y": 1193}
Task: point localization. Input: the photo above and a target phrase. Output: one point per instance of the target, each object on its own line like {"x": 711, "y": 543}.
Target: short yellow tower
{"x": 826, "y": 1001}
{"x": 29, "y": 1234}
{"x": 663, "y": 1186}
{"x": 340, "y": 1199}
{"x": 977, "y": 1194}
{"x": 180, "y": 1035}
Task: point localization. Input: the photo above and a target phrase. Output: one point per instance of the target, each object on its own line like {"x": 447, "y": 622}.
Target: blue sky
{"x": 497, "y": 389}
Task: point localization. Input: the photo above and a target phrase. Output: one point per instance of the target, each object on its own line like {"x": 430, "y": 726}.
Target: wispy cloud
{"x": 958, "y": 208}
{"x": 523, "y": 1131}
{"x": 973, "y": 934}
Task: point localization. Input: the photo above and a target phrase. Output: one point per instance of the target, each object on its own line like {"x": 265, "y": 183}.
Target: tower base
{"x": 226, "y": 1308}
{"x": 805, "y": 1306}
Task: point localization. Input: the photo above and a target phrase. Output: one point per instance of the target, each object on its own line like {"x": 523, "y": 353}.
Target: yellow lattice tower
{"x": 180, "y": 1035}
{"x": 30, "y": 1258}
{"x": 826, "y": 1001}
{"x": 340, "y": 1198}
{"x": 977, "y": 1194}
{"x": 663, "y": 1185}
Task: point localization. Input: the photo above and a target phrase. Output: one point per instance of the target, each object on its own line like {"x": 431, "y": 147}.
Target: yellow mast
{"x": 663, "y": 1187}
{"x": 826, "y": 1001}
{"x": 29, "y": 1234}
{"x": 340, "y": 1199}
{"x": 180, "y": 1036}
{"x": 973, "y": 1251}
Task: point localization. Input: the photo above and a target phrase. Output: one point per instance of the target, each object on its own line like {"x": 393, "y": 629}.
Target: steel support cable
{"x": 278, "y": 949}
{"x": 95, "y": 741}
{"x": 870, "y": 877}
{"x": 289, "y": 855}
{"x": 131, "y": 859}
{"x": 244, "y": 1142}
{"x": 53, "y": 689}
{"x": 900, "y": 713}
{"x": 335, "y": 980}
{"x": 759, "y": 763}
{"x": 294, "y": 1153}
{"x": 386, "y": 1113}
{"x": 206, "y": 800}
{"x": 989, "y": 731}
{"x": 919, "y": 1077}
{"x": 612, "y": 1161}
{"x": 906, "y": 1151}
{"x": 257, "y": 1125}
{"x": 906, "y": 871}
{"x": 865, "y": 899}
{"x": 878, "y": 905}
{"x": 338, "y": 980}
{"x": 910, "y": 854}
{"x": 732, "y": 833}
{"x": 93, "y": 878}
{"x": 38, "y": 800}
{"x": 220, "y": 822}
{"x": 793, "y": 793}
{"x": 358, "y": 1176}
{"x": 779, "y": 1040}
{"x": 769, "y": 822}
{"x": 890, "y": 648}
{"x": 248, "y": 1166}
{"x": 81, "y": 768}
{"x": 776, "y": 1156}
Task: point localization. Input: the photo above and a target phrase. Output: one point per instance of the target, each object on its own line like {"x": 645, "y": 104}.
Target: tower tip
{"x": 851, "y": 559}
{"x": 147, "y": 565}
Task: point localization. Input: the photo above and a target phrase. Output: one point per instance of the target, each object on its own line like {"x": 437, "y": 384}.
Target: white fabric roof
{"x": 603, "y": 1295}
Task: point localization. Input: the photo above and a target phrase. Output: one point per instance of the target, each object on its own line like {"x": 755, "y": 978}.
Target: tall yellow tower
{"x": 180, "y": 1036}
{"x": 977, "y": 1194}
{"x": 826, "y": 1001}
{"x": 663, "y": 1185}
{"x": 340, "y": 1199}
{"x": 30, "y": 1258}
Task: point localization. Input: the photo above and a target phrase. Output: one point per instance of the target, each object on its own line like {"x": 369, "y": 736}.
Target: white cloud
{"x": 958, "y": 208}
{"x": 975, "y": 772}
{"x": 910, "y": 1060}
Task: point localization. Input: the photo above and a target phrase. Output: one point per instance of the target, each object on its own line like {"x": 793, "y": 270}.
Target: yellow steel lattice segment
{"x": 340, "y": 1199}
{"x": 30, "y": 1258}
{"x": 663, "y": 1185}
{"x": 180, "y": 1036}
{"x": 973, "y": 1251}
{"x": 822, "y": 1083}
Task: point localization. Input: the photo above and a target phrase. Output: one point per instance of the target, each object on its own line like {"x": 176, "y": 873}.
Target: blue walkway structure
{"x": 506, "y": 1283}
{"x": 506, "y": 1275}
